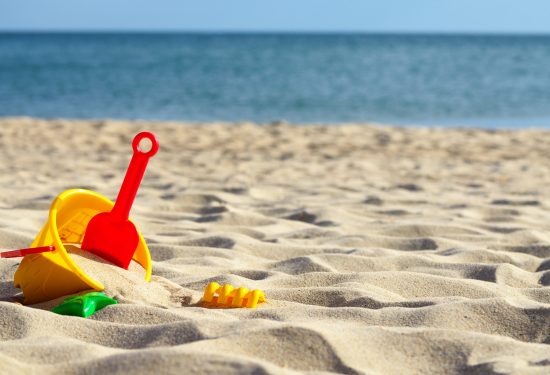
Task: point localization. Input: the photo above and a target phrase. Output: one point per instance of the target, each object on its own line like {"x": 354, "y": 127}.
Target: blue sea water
{"x": 480, "y": 80}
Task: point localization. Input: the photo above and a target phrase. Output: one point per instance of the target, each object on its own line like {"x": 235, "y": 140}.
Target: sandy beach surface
{"x": 381, "y": 250}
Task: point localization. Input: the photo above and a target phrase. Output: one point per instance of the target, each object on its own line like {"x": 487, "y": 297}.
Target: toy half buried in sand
{"x": 216, "y": 295}
{"x": 50, "y": 275}
{"x": 84, "y": 305}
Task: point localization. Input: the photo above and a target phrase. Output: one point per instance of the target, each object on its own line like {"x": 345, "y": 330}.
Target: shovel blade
{"x": 111, "y": 239}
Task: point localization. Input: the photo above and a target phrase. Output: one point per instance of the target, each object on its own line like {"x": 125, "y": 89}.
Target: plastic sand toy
{"x": 216, "y": 295}
{"x": 49, "y": 275}
{"x": 110, "y": 235}
{"x": 84, "y": 305}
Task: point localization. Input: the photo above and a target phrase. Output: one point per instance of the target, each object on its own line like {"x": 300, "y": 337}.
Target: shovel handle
{"x": 134, "y": 175}
{"x": 23, "y": 252}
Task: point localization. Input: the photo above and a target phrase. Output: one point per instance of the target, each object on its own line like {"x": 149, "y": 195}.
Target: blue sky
{"x": 526, "y": 16}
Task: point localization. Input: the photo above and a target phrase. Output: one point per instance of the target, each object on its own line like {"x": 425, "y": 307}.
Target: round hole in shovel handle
{"x": 145, "y": 135}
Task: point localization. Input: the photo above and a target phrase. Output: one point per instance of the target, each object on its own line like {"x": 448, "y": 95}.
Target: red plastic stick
{"x": 111, "y": 235}
{"x": 23, "y": 252}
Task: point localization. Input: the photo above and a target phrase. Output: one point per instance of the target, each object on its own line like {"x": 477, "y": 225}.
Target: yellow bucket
{"x": 45, "y": 276}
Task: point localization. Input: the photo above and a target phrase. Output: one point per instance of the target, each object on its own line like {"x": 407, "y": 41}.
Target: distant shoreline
{"x": 496, "y": 126}
{"x": 183, "y": 122}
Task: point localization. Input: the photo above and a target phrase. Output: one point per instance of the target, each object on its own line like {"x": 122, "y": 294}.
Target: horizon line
{"x": 272, "y": 32}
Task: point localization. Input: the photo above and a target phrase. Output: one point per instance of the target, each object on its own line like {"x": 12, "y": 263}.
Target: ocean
{"x": 444, "y": 80}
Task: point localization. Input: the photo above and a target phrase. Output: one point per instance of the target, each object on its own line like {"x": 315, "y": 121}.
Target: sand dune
{"x": 381, "y": 250}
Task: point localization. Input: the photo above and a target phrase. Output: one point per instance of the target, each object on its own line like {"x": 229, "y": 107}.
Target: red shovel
{"x": 110, "y": 235}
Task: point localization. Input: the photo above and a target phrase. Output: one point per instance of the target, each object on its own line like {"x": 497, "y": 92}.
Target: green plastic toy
{"x": 84, "y": 305}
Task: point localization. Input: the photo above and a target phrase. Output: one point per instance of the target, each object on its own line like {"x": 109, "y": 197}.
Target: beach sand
{"x": 381, "y": 250}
